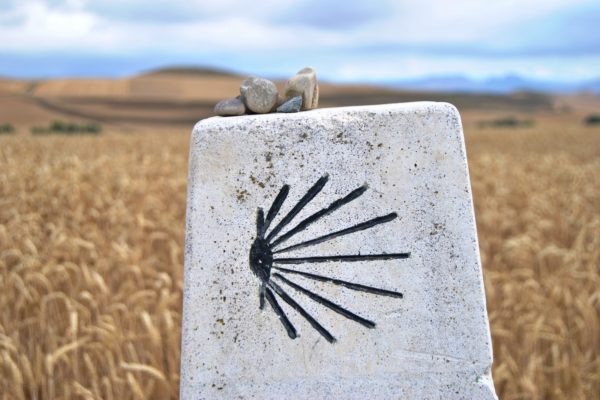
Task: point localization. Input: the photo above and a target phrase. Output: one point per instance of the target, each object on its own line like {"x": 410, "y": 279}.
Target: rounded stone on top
{"x": 259, "y": 94}
{"x": 230, "y": 107}
{"x": 304, "y": 84}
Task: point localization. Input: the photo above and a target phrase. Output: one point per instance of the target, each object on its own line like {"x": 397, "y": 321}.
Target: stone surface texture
{"x": 292, "y": 105}
{"x": 434, "y": 343}
{"x": 304, "y": 84}
{"x": 259, "y": 94}
{"x": 230, "y": 107}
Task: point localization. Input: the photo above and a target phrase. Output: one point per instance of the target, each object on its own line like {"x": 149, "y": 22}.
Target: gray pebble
{"x": 229, "y": 107}
{"x": 259, "y": 95}
{"x": 292, "y": 105}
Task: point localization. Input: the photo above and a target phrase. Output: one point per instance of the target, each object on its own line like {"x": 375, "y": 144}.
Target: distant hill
{"x": 191, "y": 71}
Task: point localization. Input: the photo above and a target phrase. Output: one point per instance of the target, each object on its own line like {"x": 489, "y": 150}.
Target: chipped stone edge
{"x": 484, "y": 376}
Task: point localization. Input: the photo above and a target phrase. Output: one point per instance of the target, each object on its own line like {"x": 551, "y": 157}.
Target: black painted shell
{"x": 266, "y": 263}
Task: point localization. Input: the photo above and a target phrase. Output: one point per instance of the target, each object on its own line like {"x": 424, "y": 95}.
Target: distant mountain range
{"x": 502, "y": 84}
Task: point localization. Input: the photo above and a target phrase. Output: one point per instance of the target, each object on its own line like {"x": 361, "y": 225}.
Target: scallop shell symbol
{"x": 268, "y": 264}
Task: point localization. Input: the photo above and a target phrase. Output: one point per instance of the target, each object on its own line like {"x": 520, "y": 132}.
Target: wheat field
{"x": 91, "y": 238}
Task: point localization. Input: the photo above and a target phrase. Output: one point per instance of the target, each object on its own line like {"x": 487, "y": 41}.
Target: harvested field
{"x": 91, "y": 238}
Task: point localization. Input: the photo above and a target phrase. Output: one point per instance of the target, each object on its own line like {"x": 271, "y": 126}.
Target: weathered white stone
{"x": 434, "y": 343}
{"x": 304, "y": 84}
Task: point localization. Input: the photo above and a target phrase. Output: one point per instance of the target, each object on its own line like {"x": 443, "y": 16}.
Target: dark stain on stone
{"x": 341, "y": 139}
{"x": 242, "y": 195}
{"x": 437, "y": 228}
{"x": 257, "y": 182}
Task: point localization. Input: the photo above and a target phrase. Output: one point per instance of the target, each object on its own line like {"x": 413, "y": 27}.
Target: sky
{"x": 346, "y": 41}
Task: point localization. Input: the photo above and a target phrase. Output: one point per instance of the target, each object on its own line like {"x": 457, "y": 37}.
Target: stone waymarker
{"x": 332, "y": 254}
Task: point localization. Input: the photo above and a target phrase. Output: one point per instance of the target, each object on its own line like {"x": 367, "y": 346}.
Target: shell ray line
{"x": 356, "y": 228}
{"x": 339, "y": 282}
{"x": 313, "y": 322}
{"x": 275, "y": 207}
{"x": 320, "y": 214}
{"x": 312, "y": 192}
{"x": 327, "y": 303}
{"x": 347, "y": 258}
{"x": 289, "y": 327}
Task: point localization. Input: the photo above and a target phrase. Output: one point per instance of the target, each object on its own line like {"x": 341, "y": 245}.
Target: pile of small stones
{"x": 260, "y": 96}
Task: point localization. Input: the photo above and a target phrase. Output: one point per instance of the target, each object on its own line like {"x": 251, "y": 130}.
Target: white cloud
{"x": 412, "y": 38}
{"x": 242, "y": 25}
{"x": 75, "y": 29}
{"x": 43, "y": 28}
